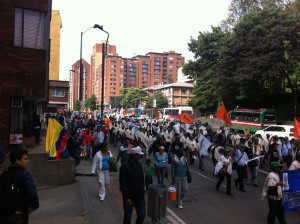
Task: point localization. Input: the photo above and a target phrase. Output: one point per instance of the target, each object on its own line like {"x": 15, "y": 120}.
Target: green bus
{"x": 252, "y": 120}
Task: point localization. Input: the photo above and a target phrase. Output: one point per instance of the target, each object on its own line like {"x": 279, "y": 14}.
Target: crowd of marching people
{"x": 169, "y": 147}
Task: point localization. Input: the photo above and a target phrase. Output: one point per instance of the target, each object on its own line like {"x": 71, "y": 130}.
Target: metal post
{"x": 104, "y": 54}
{"x": 102, "y": 83}
{"x": 80, "y": 70}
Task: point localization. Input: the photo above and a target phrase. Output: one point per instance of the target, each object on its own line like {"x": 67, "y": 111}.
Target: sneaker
{"x": 180, "y": 205}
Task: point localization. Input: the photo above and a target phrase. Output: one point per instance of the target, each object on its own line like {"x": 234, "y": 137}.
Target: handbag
{"x": 113, "y": 167}
{"x": 235, "y": 164}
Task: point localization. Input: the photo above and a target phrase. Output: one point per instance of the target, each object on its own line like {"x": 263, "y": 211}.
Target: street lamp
{"x": 104, "y": 54}
{"x": 80, "y": 63}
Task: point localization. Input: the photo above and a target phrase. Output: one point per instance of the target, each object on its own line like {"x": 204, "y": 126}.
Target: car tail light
{"x": 291, "y": 134}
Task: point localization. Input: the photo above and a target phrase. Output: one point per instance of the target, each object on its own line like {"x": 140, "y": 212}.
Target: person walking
{"x": 161, "y": 158}
{"x": 242, "y": 159}
{"x": 21, "y": 179}
{"x": 101, "y": 167}
{"x": 36, "y": 127}
{"x": 179, "y": 169}
{"x": 149, "y": 170}
{"x": 272, "y": 190}
{"x": 73, "y": 147}
{"x": 123, "y": 153}
{"x": 286, "y": 152}
{"x": 225, "y": 171}
{"x": 296, "y": 164}
{"x": 131, "y": 179}
{"x": 87, "y": 138}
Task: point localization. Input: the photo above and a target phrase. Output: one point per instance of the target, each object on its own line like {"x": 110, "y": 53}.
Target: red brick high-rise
{"x": 139, "y": 71}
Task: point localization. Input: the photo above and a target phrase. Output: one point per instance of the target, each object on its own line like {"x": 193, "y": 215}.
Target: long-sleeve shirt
{"x": 131, "y": 181}
{"x": 241, "y": 158}
{"x": 285, "y": 149}
{"x": 97, "y": 161}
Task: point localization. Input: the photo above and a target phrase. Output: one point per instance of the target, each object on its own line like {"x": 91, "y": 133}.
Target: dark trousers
{"x": 242, "y": 173}
{"x": 228, "y": 178}
{"x": 140, "y": 207}
{"x": 288, "y": 160}
{"x": 77, "y": 159}
{"x": 148, "y": 180}
{"x": 276, "y": 210}
{"x": 36, "y": 133}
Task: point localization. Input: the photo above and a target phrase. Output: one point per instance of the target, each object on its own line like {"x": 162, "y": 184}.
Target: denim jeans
{"x": 140, "y": 207}
{"x": 161, "y": 172}
{"x": 201, "y": 163}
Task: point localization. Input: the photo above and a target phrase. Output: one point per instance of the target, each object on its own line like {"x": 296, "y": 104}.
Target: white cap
{"x": 136, "y": 150}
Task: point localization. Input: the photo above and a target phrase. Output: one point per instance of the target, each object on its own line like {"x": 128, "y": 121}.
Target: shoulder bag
{"x": 235, "y": 164}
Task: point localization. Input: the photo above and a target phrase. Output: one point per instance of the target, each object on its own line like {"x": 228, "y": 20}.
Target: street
{"x": 203, "y": 204}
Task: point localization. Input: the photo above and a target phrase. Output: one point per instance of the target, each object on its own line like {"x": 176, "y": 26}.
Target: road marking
{"x": 173, "y": 215}
{"x": 199, "y": 174}
{"x": 263, "y": 171}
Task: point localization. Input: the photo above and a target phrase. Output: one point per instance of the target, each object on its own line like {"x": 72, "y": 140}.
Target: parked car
{"x": 280, "y": 130}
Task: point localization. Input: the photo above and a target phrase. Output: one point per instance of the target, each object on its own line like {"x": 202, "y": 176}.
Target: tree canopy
{"x": 251, "y": 60}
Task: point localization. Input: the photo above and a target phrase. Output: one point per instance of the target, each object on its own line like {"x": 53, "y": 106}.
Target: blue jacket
{"x": 179, "y": 167}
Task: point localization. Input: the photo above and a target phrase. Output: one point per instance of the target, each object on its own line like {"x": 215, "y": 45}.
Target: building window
{"x": 29, "y": 28}
{"x": 58, "y": 92}
{"x": 183, "y": 91}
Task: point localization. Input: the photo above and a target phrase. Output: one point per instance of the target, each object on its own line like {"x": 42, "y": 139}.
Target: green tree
{"x": 263, "y": 55}
{"x": 207, "y": 49}
{"x": 76, "y": 106}
{"x": 134, "y": 96}
{"x": 91, "y": 102}
{"x": 239, "y": 8}
{"x": 116, "y": 102}
{"x": 161, "y": 100}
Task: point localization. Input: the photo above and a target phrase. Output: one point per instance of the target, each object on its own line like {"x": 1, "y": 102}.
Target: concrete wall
{"x": 49, "y": 173}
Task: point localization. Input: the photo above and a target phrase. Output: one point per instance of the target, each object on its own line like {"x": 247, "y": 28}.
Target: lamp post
{"x": 104, "y": 54}
{"x": 80, "y": 63}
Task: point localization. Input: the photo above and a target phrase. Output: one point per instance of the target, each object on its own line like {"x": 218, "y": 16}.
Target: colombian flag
{"x": 56, "y": 138}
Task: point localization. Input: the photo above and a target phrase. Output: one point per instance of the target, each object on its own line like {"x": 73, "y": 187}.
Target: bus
{"x": 252, "y": 120}
{"x": 134, "y": 112}
{"x": 172, "y": 113}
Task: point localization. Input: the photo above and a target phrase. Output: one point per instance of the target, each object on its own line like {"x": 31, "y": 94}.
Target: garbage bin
{"x": 157, "y": 201}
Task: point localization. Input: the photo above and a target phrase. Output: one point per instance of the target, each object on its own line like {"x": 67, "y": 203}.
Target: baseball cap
{"x": 136, "y": 150}
{"x": 276, "y": 164}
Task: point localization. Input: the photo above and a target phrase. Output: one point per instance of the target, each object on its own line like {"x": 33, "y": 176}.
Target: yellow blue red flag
{"x": 56, "y": 138}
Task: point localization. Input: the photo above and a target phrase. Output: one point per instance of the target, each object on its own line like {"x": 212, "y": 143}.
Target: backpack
{"x": 10, "y": 195}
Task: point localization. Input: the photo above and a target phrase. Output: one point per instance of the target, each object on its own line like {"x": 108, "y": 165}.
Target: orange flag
{"x": 223, "y": 115}
{"x": 125, "y": 111}
{"x": 185, "y": 118}
{"x": 296, "y": 129}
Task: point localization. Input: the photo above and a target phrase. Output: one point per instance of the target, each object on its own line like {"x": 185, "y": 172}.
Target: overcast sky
{"x": 135, "y": 26}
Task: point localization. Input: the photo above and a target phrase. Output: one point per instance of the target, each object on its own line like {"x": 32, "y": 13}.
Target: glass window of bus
{"x": 186, "y": 111}
{"x": 256, "y": 117}
{"x": 269, "y": 117}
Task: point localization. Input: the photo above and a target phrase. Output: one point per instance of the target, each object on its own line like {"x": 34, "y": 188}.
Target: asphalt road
{"x": 202, "y": 204}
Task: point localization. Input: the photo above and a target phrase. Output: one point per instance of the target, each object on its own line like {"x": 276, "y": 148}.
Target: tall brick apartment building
{"x": 140, "y": 71}
{"x": 24, "y": 64}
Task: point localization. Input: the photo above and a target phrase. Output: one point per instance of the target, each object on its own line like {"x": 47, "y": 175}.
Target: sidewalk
{"x": 78, "y": 203}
